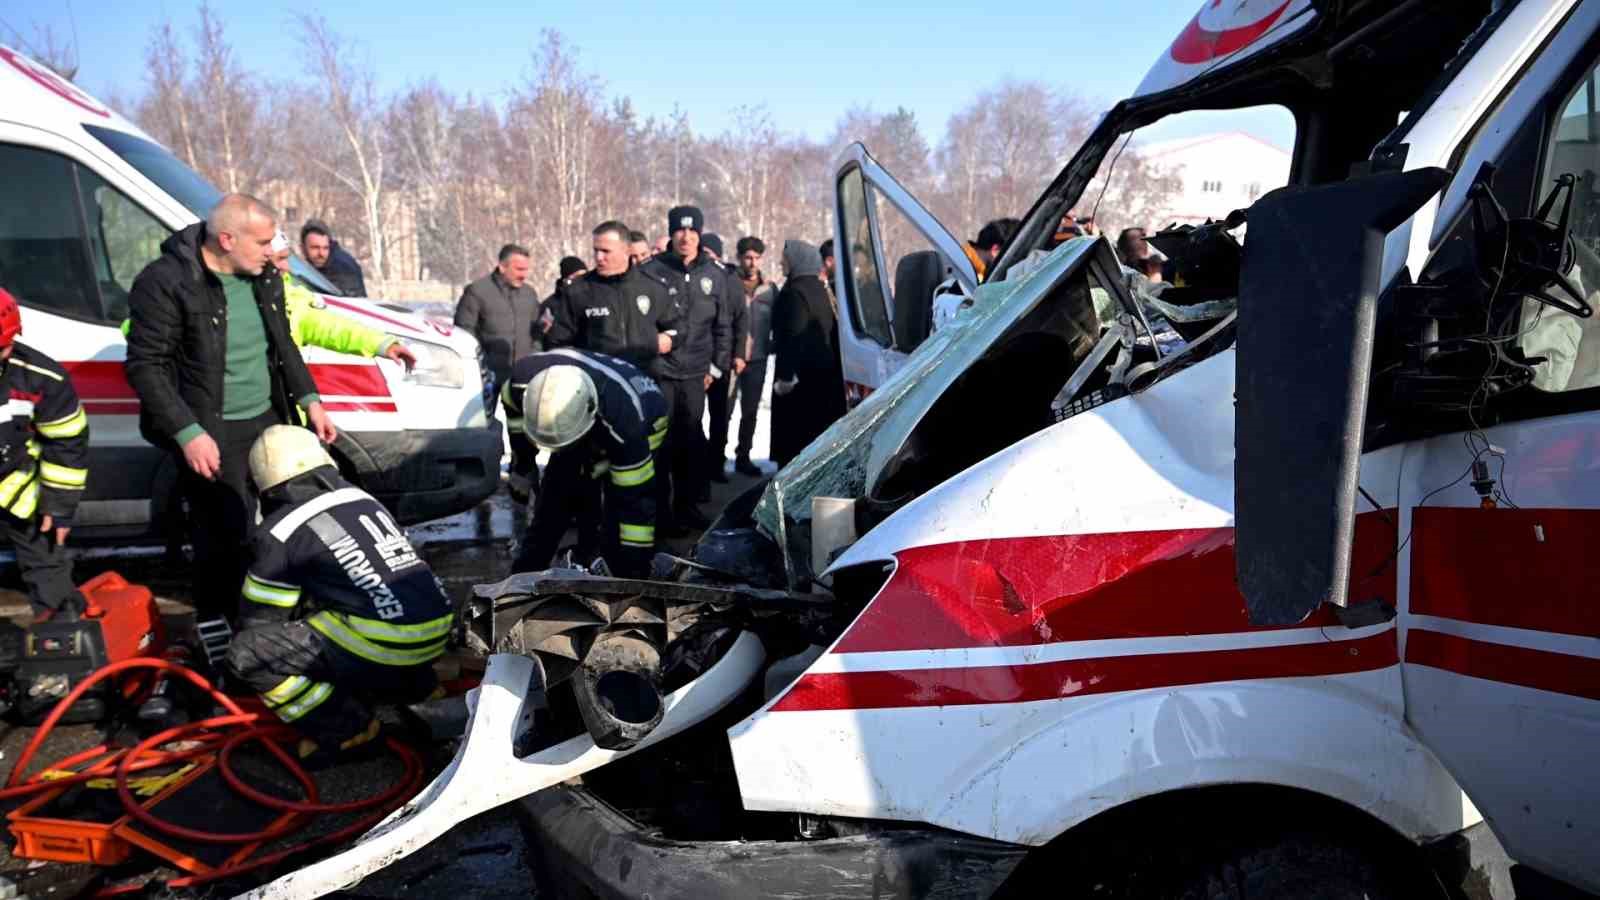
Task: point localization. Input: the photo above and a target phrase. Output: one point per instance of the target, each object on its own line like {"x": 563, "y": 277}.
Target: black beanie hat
{"x": 681, "y": 217}
{"x": 712, "y": 241}
{"x": 571, "y": 265}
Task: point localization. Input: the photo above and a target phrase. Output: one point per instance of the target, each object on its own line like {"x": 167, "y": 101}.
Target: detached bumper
{"x": 588, "y": 849}
{"x": 423, "y": 475}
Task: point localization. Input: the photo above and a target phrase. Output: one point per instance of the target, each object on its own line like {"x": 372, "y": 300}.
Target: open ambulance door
{"x": 1500, "y": 623}
{"x": 890, "y": 256}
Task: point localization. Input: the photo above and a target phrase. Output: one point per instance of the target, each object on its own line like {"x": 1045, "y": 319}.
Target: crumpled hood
{"x": 849, "y": 459}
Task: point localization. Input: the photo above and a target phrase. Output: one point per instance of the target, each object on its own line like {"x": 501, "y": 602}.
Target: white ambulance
{"x": 1279, "y": 582}
{"x": 86, "y": 199}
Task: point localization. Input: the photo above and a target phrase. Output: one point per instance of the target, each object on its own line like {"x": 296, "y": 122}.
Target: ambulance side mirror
{"x": 1308, "y": 293}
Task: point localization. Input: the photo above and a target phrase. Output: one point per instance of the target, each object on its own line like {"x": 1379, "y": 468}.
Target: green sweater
{"x": 246, "y": 380}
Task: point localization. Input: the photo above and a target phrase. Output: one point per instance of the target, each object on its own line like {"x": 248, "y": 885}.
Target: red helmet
{"x": 10, "y": 318}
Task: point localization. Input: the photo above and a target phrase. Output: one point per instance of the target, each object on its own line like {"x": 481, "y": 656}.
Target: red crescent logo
{"x": 53, "y": 83}
{"x": 1198, "y": 44}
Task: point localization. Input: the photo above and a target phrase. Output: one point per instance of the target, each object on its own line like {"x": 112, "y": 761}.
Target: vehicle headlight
{"x": 437, "y": 365}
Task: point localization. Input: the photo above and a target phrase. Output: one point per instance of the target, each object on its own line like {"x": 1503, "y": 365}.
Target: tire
{"x": 1213, "y": 858}
{"x": 1293, "y": 868}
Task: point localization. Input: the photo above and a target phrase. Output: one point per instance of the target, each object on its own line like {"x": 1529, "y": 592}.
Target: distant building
{"x": 1220, "y": 172}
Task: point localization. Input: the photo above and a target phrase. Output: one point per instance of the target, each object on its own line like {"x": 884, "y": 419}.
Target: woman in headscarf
{"x": 808, "y": 384}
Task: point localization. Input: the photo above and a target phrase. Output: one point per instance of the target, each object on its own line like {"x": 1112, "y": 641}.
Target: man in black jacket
{"x": 502, "y": 311}
{"x": 333, "y": 261}
{"x": 706, "y": 296}
{"x": 613, "y": 309}
{"x": 211, "y": 358}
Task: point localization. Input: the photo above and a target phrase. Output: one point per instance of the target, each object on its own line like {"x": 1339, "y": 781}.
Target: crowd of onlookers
{"x": 705, "y": 326}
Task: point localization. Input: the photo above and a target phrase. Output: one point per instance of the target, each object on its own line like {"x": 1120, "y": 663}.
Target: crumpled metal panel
{"x": 847, "y": 459}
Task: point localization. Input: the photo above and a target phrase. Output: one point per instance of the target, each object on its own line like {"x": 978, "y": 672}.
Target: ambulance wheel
{"x": 1312, "y": 867}
{"x": 1273, "y": 867}
{"x": 1228, "y": 844}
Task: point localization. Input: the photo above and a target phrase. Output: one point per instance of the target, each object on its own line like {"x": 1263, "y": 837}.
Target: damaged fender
{"x": 486, "y": 773}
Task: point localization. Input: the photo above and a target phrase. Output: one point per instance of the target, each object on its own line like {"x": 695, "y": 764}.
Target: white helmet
{"x": 559, "y": 406}
{"x": 283, "y": 452}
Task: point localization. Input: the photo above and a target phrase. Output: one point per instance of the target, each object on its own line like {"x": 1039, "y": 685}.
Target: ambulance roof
{"x": 1223, "y": 34}
{"x": 38, "y": 97}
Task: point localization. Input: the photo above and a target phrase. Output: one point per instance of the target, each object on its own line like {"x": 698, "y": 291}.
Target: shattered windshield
{"x": 850, "y": 458}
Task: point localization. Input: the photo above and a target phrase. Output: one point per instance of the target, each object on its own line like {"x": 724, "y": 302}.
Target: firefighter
{"x": 338, "y": 612}
{"x": 44, "y": 466}
{"x": 602, "y": 418}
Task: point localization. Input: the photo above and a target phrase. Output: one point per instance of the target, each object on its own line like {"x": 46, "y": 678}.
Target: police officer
{"x": 339, "y": 612}
{"x": 44, "y": 465}
{"x": 706, "y": 296}
{"x": 613, "y": 309}
{"x": 602, "y": 418}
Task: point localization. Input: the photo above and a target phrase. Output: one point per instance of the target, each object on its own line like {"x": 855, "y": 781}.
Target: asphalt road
{"x": 475, "y": 547}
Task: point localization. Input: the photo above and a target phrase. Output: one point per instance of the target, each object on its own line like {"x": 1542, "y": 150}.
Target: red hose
{"x": 120, "y": 764}
{"x": 309, "y": 806}
{"x": 141, "y": 662}
{"x": 131, "y": 803}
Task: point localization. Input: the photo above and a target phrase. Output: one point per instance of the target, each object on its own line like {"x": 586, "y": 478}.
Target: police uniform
{"x": 630, "y": 423}
{"x": 705, "y": 295}
{"x": 618, "y": 315}
{"x": 44, "y": 466}
{"x": 338, "y": 612}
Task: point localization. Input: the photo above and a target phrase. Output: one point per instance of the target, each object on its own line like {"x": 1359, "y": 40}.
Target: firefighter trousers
{"x": 569, "y": 490}
{"x": 46, "y": 568}
{"x": 322, "y": 689}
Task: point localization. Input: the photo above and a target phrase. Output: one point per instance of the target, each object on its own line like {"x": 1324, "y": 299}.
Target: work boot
{"x": 71, "y": 610}
{"x": 744, "y": 466}
{"x": 362, "y": 746}
{"x": 719, "y": 471}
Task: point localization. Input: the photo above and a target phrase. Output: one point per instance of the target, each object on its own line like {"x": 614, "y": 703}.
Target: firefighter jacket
{"x": 706, "y": 296}
{"x": 311, "y": 323}
{"x": 337, "y": 559}
{"x": 44, "y": 438}
{"x": 618, "y": 315}
{"x": 629, "y": 427}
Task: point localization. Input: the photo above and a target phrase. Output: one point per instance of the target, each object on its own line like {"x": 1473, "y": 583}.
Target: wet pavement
{"x": 490, "y": 852}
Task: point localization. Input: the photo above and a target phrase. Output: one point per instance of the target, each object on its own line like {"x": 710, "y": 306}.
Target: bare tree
{"x": 352, "y": 104}
{"x": 167, "y": 110}
{"x": 558, "y": 109}
{"x": 236, "y": 144}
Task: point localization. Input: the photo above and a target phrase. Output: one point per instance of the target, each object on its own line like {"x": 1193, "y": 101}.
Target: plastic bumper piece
{"x": 587, "y": 849}
{"x": 486, "y": 772}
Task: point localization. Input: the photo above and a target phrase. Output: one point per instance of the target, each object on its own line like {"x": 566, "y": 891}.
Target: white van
{"x": 86, "y": 199}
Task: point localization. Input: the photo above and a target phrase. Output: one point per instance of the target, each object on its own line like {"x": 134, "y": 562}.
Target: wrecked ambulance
{"x": 1286, "y": 593}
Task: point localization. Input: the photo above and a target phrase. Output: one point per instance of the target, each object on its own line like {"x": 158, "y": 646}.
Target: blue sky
{"x": 806, "y": 61}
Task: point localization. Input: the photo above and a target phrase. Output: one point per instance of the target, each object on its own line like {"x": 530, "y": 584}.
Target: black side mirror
{"x": 1308, "y": 297}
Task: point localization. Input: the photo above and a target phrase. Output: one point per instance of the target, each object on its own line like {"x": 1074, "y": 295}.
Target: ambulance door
{"x": 1501, "y": 560}
{"x": 891, "y": 255}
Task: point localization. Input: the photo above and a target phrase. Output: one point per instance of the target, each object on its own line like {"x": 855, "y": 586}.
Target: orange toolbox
{"x": 75, "y": 823}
